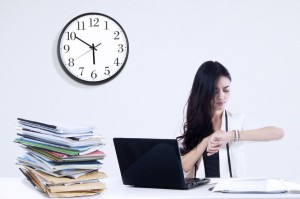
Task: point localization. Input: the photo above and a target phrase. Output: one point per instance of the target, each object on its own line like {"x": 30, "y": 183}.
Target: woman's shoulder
{"x": 236, "y": 116}
{"x": 236, "y": 120}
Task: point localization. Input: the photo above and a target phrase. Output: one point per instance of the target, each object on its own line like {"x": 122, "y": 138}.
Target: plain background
{"x": 258, "y": 41}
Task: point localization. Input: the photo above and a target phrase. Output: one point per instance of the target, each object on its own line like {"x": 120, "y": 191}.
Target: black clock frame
{"x": 76, "y": 78}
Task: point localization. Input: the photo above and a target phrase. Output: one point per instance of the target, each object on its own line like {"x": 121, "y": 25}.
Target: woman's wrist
{"x": 234, "y": 136}
{"x": 237, "y": 136}
{"x": 206, "y": 140}
{"x": 202, "y": 145}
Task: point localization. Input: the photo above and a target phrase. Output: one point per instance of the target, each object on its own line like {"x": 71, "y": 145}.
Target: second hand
{"x": 83, "y": 54}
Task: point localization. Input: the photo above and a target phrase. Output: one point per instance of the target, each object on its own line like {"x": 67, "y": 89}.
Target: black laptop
{"x": 154, "y": 163}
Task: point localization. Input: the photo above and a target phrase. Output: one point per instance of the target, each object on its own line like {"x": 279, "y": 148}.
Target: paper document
{"x": 54, "y": 128}
{"x": 251, "y": 186}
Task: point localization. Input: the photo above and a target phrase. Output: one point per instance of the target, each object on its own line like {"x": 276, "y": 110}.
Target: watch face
{"x": 93, "y": 48}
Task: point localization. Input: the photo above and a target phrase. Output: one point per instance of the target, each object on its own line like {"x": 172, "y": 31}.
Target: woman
{"x": 206, "y": 146}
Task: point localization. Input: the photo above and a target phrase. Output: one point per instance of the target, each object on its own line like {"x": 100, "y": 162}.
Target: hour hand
{"x": 85, "y": 42}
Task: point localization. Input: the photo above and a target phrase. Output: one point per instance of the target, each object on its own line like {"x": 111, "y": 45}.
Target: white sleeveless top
{"x": 236, "y": 151}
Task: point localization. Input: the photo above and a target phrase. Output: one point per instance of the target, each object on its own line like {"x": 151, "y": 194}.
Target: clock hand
{"x": 82, "y": 54}
{"x": 98, "y": 45}
{"x": 87, "y": 51}
{"x": 85, "y": 42}
{"x": 93, "y": 48}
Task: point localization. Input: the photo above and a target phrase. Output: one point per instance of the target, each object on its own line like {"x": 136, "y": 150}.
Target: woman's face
{"x": 222, "y": 93}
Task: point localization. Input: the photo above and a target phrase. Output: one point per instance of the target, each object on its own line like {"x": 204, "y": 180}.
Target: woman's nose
{"x": 221, "y": 95}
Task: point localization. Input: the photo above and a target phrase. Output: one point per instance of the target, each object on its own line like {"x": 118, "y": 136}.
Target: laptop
{"x": 153, "y": 163}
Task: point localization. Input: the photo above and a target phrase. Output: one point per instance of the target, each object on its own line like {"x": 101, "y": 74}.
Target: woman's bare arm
{"x": 220, "y": 138}
{"x": 188, "y": 160}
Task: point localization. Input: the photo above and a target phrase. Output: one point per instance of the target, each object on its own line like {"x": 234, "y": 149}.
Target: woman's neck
{"x": 217, "y": 120}
{"x": 217, "y": 115}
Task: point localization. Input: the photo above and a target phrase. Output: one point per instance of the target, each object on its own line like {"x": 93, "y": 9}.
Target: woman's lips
{"x": 220, "y": 103}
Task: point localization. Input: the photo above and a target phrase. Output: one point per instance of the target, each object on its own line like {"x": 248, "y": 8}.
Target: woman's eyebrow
{"x": 222, "y": 88}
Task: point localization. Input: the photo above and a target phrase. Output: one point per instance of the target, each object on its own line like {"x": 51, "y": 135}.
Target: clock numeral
{"x": 106, "y": 28}
{"x": 81, "y": 68}
{"x": 71, "y": 35}
{"x": 71, "y": 62}
{"x": 80, "y": 25}
{"x": 94, "y": 74}
{"x": 66, "y": 48}
{"x": 117, "y": 62}
{"x": 107, "y": 71}
{"x": 121, "y": 49}
{"x": 117, "y": 33}
{"x": 94, "y": 22}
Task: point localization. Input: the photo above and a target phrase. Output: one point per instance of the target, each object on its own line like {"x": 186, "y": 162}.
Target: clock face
{"x": 93, "y": 48}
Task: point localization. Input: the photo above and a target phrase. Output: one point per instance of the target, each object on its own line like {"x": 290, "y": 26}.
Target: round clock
{"x": 93, "y": 48}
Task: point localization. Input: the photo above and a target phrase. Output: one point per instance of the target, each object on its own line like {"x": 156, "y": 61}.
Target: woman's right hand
{"x": 214, "y": 142}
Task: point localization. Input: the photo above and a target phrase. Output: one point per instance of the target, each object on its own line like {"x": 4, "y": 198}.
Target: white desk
{"x": 20, "y": 188}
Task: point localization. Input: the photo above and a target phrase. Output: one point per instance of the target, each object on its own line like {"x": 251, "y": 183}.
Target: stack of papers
{"x": 61, "y": 161}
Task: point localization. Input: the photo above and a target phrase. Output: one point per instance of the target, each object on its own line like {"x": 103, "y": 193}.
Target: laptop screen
{"x": 149, "y": 162}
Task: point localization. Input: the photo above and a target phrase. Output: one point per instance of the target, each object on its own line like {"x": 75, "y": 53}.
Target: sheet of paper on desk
{"x": 63, "y": 180}
{"x": 250, "y": 186}
{"x": 291, "y": 186}
{"x": 54, "y": 128}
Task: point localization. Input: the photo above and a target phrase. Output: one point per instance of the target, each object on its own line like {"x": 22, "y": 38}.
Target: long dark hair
{"x": 198, "y": 124}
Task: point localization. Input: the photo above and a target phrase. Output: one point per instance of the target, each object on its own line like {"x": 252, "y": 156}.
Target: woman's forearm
{"x": 262, "y": 134}
{"x": 188, "y": 160}
{"x": 220, "y": 138}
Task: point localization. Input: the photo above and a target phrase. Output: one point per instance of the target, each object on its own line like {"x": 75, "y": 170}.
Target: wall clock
{"x": 93, "y": 48}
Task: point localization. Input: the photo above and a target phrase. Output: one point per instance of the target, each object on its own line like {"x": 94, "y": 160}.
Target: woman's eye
{"x": 226, "y": 91}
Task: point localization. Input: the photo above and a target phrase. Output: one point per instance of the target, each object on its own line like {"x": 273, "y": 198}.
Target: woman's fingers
{"x": 217, "y": 140}
{"x": 215, "y": 144}
{"x": 213, "y": 147}
{"x": 218, "y": 137}
{"x": 212, "y": 150}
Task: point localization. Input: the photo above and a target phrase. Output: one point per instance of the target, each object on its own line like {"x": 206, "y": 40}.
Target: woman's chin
{"x": 220, "y": 108}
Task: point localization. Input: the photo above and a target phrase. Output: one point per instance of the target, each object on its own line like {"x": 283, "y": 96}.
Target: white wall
{"x": 258, "y": 41}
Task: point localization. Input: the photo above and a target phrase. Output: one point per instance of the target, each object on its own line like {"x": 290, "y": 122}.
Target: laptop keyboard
{"x": 192, "y": 182}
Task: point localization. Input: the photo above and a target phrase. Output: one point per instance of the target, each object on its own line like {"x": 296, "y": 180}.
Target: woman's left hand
{"x": 217, "y": 140}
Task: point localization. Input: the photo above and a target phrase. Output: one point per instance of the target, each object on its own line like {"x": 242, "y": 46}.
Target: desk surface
{"x": 20, "y": 188}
